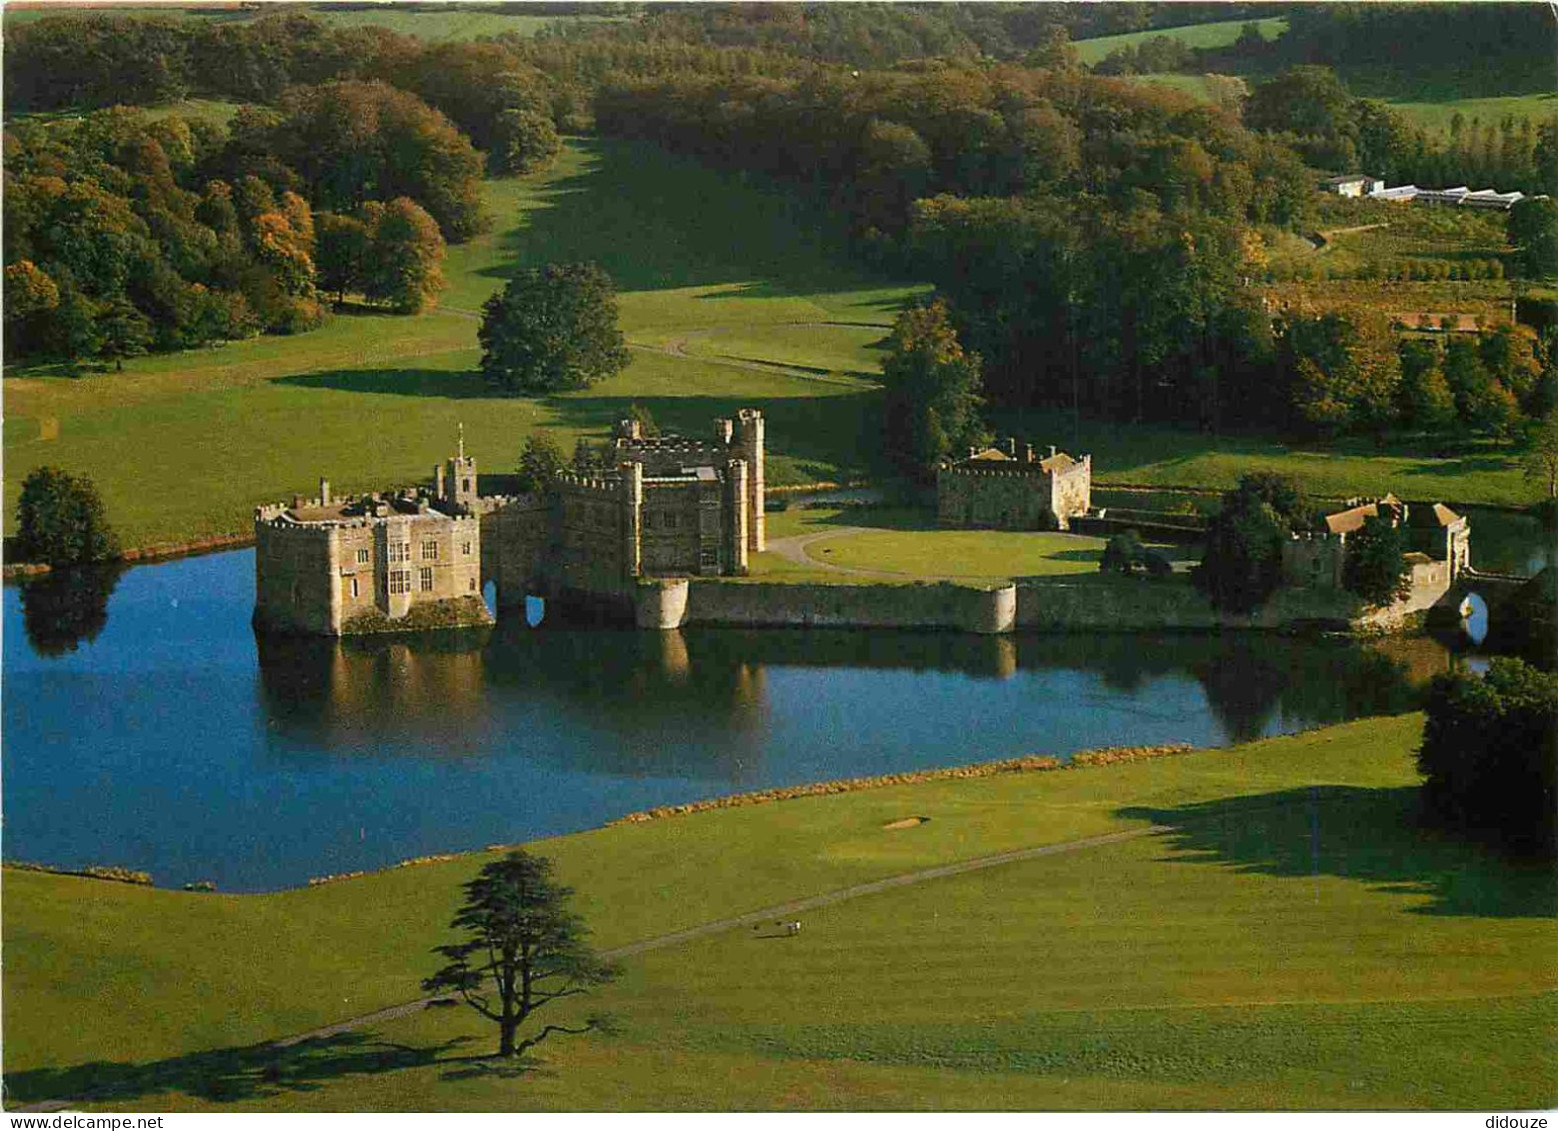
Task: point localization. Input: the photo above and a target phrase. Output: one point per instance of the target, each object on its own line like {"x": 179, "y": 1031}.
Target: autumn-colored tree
{"x": 402, "y": 261}
{"x": 352, "y": 142}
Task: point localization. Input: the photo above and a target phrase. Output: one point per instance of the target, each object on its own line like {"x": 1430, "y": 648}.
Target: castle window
{"x": 429, "y": 551}
{"x": 465, "y": 484}
{"x": 427, "y": 578}
{"x": 362, "y": 559}
{"x": 400, "y": 551}
{"x": 465, "y": 548}
{"x": 353, "y": 581}
{"x": 400, "y": 581}
{"x": 670, "y": 522}
{"x": 649, "y": 520}
{"x": 472, "y": 585}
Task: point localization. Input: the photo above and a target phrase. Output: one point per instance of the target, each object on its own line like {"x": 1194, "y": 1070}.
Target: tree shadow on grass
{"x": 229, "y": 1075}
{"x": 451, "y": 384}
{"x": 1372, "y": 835}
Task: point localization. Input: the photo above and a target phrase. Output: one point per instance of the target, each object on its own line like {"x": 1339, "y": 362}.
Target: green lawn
{"x": 962, "y": 555}
{"x": 453, "y": 23}
{"x": 1436, "y": 116}
{"x": 1219, "y": 34}
{"x": 1293, "y": 941}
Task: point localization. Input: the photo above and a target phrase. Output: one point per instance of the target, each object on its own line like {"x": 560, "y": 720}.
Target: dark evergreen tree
{"x": 521, "y": 950}
{"x": 540, "y": 461}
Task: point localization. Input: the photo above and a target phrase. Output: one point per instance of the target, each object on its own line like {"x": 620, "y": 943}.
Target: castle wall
{"x": 1071, "y": 492}
{"x": 592, "y": 525}
{"x": 750, "y": 447}
{"x": 670, "y": 537}
{"x": 516, "y": 534}
{"x": 294, "y": 572}
{"x": 1313, "y": 560}
{"x": 961, "y": 608}
{"x": 993, "y": 499}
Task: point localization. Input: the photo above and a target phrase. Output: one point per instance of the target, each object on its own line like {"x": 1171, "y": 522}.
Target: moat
{"x": 158, "y": 733}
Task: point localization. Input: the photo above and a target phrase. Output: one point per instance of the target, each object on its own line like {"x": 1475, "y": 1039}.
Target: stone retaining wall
{"x": 962, "y": 608}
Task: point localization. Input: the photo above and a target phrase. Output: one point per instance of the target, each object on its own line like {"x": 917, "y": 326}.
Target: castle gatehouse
{"x": 1011, "y": 487}
{"x": 655, "y": 506}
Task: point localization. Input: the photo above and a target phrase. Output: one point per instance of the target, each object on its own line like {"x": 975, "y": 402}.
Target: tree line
{"x": 1311, "y": 109}
{"x": 126, "y": 233}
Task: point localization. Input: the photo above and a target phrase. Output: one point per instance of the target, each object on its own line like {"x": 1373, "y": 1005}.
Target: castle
{"x": 1010, "y": 488}
{"x": 1439, "y": 541}
{"x": 657, "y": 506}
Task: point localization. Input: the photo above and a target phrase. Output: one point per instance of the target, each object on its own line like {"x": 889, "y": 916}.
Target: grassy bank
{"x": 1292, "y": 905}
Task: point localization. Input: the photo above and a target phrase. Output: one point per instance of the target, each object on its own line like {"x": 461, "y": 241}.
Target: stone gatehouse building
{"x": 661, "y": 506}
{"x": 1438, "y": 539}
{"x": 1009, "y": 487}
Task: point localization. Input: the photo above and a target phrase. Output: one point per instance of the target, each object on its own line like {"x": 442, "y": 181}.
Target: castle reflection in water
{"x": 459, "y": 691}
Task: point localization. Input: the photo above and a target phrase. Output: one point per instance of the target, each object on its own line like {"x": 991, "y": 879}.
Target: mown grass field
{"x": 1291, "y": 940}
{"x": 908, "y": 543}
{"x": 451, "y": 22}
{"x": 1219, "y": 34}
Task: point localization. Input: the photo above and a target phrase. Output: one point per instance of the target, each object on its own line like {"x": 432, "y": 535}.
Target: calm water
{"x": 157, "y": 733}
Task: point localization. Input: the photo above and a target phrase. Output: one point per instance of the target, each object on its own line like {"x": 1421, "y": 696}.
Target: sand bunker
{"x": 905, "y": 822}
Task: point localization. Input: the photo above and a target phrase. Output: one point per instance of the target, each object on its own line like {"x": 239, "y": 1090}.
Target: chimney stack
{"x": 324, "y": 491}
{"x": 1027, "y": 453}
{"x": 1052, "y": 452}
{"x": 1011, "y": 446}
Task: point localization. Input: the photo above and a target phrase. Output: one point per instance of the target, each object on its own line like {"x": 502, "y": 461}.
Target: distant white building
{"x": 1480, "y": 198}
{"x": 1354, "y": 184}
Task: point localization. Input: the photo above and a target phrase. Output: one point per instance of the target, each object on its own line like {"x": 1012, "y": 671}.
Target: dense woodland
{"x": 1098, "y": 242}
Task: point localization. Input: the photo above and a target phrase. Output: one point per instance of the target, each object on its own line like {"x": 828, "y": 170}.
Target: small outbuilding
{"x": 1012, "y": 487}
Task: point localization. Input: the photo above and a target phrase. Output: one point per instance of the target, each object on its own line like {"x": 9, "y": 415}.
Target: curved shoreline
{"x": 1028, "y": 763}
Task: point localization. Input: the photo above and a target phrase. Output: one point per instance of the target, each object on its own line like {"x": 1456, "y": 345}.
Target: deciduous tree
{"x": 540, "y": 460}
{"x": 60, "y": 520}
{"x": 1541, "y": 461}
{"x": 552, "y": 328}
{"x": 1375, "y": 566}
{"x": 402, "y": 263}
{"x": 930, "y": 404}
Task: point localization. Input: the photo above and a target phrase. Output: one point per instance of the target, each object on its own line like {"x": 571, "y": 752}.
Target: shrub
{"x": 1489, "y": 757}
{"x": 1122, "y": 553}
{"x": 61, "y": 520}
